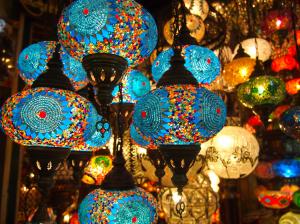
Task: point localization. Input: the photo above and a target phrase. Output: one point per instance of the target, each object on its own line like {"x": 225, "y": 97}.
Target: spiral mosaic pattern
{"x": 116, "y": 27}
{"x": 200, "y": 61}
{"x": 290, "y": 122}
{"x": 118, "y": 207}
{"x": 261, "y": 90}
{"x": 134, "y": 85}
{"x": 33, "y": 60}
{"x": 46, "y": 117}
{"x": 74, "y": 70}
{"x": 180, "y": 114}
{"x": 137, "y": 137}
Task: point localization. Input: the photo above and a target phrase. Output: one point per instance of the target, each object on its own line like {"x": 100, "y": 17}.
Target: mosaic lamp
{"x": 262, "y": 94}
{"x": 32, "y": 62}
{"x": 292, "y": 86}
{"x": 200, "y": 61}
{"x": 289, "y": 122}
{"x": 256, "y": 48}
{"x": 107, "y": 36}
{"x": 274, "y": 199}
{"x": 232, "y": 153}
{"x": 134, "y": 85}
{"x": 287, "y": 168}
{"x": 290, "y": 218}
{"x": 286, "y": 62}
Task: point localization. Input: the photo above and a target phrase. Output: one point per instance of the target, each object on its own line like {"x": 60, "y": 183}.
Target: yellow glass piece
{"x": 197, "y": 7}
{"x": 238, "y": 71}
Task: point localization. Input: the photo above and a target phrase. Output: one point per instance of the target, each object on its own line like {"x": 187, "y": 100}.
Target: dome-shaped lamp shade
{"x": 113, "y": 27}
{"x": 261, "y": 90}
{"x": 232, "y": 153}
{"x": 96, "y": 170}
{"x": 287, "y": 168}
{"x": 292, "y": 86}
{"x": 286, "y": 62}
{"x": 118, "y": 207}
{"x": 274, "y": 199}
{"x": 290, "y": 218}
{"x": 33, "y": 60}
{"x": 139, "y": 139}
{"x": 99, "y": 132}
{"x": 238, "y": 71}
{"x": 194, "y": 24}
{"x": 200, "y": 61}
{"x": 290, "y": 122}
{"x": 179, "y": 114}
{"x": 198, "y": 7}
{"x": 134, "y": 85}
{"x": 296, "y": 198}
{"x": 256, "y": 47}
{"x": 46, "y": 117}
{"x": 277, "y": 20}
{"x": 264, "y": 170}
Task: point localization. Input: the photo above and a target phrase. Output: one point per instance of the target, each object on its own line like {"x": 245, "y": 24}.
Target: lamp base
{"x": 105, "y": 72}
{"x": 158, "y": 162}
{"x": 46, "y": 161}
{"x": 126, "y": 110}
{"x": 179, "y": 158}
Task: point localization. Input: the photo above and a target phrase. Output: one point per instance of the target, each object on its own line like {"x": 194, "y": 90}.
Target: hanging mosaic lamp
{"x": 96, "y": 169}
{"x": 194, "y": 24}
{"x": 134, "y": 85}
{"x": 46, "y": 117}
{"x": 140, "y": 140}
{"x": 287, "y": 168}
{"x": 292, "y": 86}
{"x": 128, "y": 206}
{"x": 198, "y": 7}
{"x": 274, "y": 199}
{"x": 232, "y": 153}
{"x": 290, "y": 218}
{"x": 256, "y": 47}
{"x": 239, "y": 69}
{"x": 290, "y": 122}
{"x": 262, "y": 94}
{"x": 286, "y": 62}
{"x": 200, "y": 61}
{"x": 123, "y": 28}
{"x": 32, "y": 62}
{"x": 264, "y": 170}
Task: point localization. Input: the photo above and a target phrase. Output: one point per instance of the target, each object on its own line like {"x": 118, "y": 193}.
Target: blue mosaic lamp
{"x": 134, "y": 85}
{"x": 287, "y": 168}
{"x": 200, "y": 61}
{"x": 114, "y": 27}
{"x": 289, "y": 122}
{"x": 118, "y": 207}
{"x": 140, "y": 140}
{"x": 46, "y": 117}
{"x": 98, "y": 132}
{"x": 179, "y": 115}
{"x": 33, "y": 60}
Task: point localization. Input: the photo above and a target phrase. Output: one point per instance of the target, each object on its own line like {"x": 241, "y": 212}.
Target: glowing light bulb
{"x": 278, "y": 23}
{"x": 142, "y": 151}
{"x": 260, "y": 89}
{"x": 66, "y": 218}
{"x": 243, "y": 71}
{"x": 225, "y": 140}
{"x": 176, "y": 197}
{"x": 31, "y": 175}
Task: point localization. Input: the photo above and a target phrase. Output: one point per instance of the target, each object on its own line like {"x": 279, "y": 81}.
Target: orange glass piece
{"x": 293, "y": 86}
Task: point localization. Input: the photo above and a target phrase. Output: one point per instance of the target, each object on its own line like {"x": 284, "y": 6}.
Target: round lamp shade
{"x": 33, "y": 61}
{"x": 292, "y": 86}
{"x": 179, "y": 114}
{"x": 47, "y": 117}
{"x": 100, "y": 133}
{"x": 200, "y": 61}
{"x": 238, "y": 71}
{"x": 149, "y": 172}
{"x": 296, "y": 198}
{"x": 275, "y": 199}
{"x": 113, "y": 27}
{"x": 96, "y": 169}
{"x": 198, "y": 7}
{"x": 139, "y": 139}
{"x": 256, "y": 47}
{"x": 261, "y": 90}
{"x": 134, "y": 85}
{"x": 194, "y": 24}
{"x": 290, "y": 218}
{"x": 264, "y": 170}
{"x": 287, "y": 168}
{"x": 118, "y": 207}
{"x": 286, "y": 62}
{"x": 290, "y": 122}
{"x": 232, "y": 153}
{"x": 277, "y": 20}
